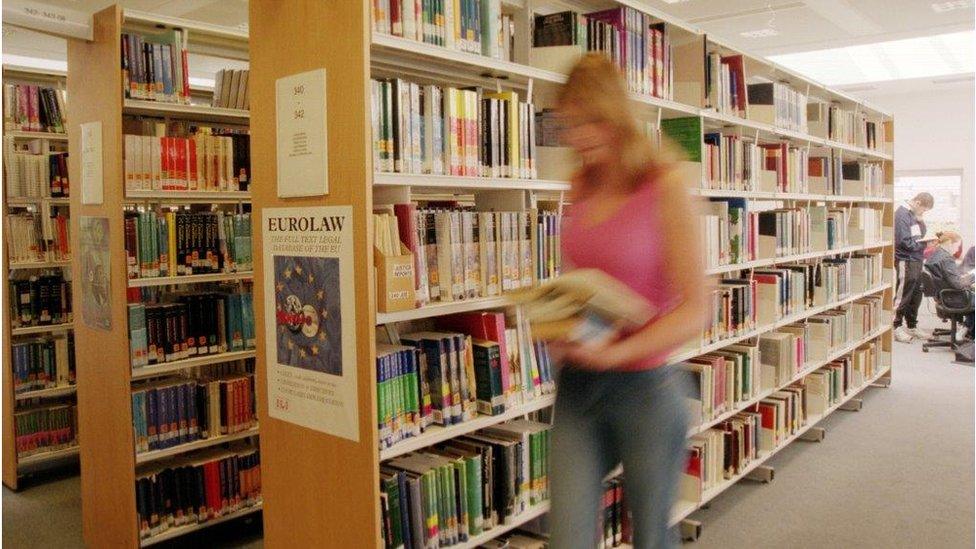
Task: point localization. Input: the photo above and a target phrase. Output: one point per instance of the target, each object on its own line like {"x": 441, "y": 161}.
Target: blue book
{"x": 247, "y": 316}
{"x": 152, "y": 418}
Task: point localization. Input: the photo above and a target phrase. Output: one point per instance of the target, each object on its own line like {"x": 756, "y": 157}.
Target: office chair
{"x": 950, "y": 304}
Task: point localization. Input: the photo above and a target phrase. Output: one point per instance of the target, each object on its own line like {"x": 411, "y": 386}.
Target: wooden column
{"x": 319, "y": 490}
{"x": 102, "y": 357}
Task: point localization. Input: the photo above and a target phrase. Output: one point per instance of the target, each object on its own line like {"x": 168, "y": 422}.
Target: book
{"x": 445, "y": 130}
{"x": 42, "y": 363}
{"x": 45, "y": 427}
{"x": 582, "y": 305}
{"x": 197, "y": 488}
{"x": 185, "y": 158}
{"x": 28, "y": 107}
{"x": 201, "y": 408}
{"x": 40, "y": 299}
{"x": 154, "y": 66}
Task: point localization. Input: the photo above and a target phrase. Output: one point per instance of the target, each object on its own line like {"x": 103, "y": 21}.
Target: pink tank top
{"x": 627, "y": 246}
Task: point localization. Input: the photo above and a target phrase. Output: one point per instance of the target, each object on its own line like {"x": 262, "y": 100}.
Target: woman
{"x": 620, "y": 402}
{"x": 942, "y": 265}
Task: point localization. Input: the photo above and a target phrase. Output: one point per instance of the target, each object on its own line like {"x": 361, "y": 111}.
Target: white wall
{"x": 934, "y": 128}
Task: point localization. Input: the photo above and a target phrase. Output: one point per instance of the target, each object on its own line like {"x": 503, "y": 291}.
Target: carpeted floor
{"x": 897, "y": 474}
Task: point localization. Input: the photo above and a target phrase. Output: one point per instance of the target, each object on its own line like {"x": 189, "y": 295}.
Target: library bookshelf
{"x": 110, "y": 465}
{"x": 38, "y": 202}
{"x": 346, "y": 474}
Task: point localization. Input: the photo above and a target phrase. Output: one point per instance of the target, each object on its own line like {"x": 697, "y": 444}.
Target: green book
{"x": 687, "y": 133}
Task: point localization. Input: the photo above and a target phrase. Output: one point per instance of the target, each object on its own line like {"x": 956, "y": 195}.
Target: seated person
{"x": 947, "y": 274}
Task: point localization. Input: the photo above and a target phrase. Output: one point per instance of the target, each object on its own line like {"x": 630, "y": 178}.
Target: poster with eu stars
{"x": 310, "y": 318}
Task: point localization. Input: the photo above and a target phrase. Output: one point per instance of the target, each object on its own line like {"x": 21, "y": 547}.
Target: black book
{"x": 763, "y": 93}
{"x": 556, "y": 29}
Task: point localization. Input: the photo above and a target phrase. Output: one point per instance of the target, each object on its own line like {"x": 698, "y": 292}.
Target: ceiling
{"x": 782, "y": 26}
{"x": 763, "y": 27}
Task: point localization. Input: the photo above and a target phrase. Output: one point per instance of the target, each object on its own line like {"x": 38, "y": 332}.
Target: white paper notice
{"x": 91, "y": 163}
{"x": 303, "y": 159}
{"x": 310, "y": 318}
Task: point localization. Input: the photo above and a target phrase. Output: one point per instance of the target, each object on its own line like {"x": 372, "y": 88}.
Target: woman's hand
{"x": 601, "y": 356}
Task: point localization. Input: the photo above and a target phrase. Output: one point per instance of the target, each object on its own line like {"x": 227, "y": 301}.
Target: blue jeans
{"x": 605, "y": 418}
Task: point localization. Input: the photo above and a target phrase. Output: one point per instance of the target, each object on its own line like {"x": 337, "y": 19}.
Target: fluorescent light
{"x": 761, "y": 33}
{"x": 942, "y": 7}
{"x": 923, "y": 57}
{"x": 39, "y": 63}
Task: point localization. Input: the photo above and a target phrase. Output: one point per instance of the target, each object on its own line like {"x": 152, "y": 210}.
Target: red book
{"x": 483, "y": 325}
{"x": 191, "y": 145}
{"x": 738, "y": 82}
{"x": 180, "y": 146}
{"x": 165, "y": 165}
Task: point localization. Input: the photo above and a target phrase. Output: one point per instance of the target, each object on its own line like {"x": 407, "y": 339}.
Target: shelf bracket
{"x": 852, "y": 405}
{"x": 815, "y": 434}
{"x": 690, "y": 530}
{"x": 763, "y": 474}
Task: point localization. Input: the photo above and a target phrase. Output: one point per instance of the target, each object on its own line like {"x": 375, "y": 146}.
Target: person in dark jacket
{"x": 909, "y": 247}
{"x": 943, "y": 268}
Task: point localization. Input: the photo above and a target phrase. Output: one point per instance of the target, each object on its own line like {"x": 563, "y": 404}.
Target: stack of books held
{"x": 584, "y": 306}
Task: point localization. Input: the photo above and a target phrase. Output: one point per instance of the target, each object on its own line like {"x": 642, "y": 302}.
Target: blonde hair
{"x": 948, "y": 236}
{"x": 596, "y": 87}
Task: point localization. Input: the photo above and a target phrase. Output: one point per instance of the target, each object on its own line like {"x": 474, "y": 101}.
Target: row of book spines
{"x": 462, "y": 255}
{"x": 463, "y": 132}
{"x": 716, "y": 454}
{"x": 197, "y": 489}
{"x": 447, "y": 379}
{"x": 473, "y": 26}
{"x": 725, "y": 83}
{"x": 42, "y": 364}
{"x": 33, "y": 108}
{"x": 850, "y": 127}
{"x": 40, "y": 301}
{"x": 156, "y": 71}
{"x": 203, "y": 162}
{"x": 443, "y": 496}
{"x": 46, "y": 428}
{"x": 183, "y": 411}
{"x": 26, "y": 241}
{"x": 33, "y": 180}
{"x": 176, "y": 243}
{"x": 737, "y": 373}
{"x": 231, "y": 90}
{"x": 734, "y": 308}
{"x": 613, "y": 524}
{"x": 200, "y": 324}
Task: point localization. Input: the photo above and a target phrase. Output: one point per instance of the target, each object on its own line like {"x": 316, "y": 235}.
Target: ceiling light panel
{"x": 921, "y": 57}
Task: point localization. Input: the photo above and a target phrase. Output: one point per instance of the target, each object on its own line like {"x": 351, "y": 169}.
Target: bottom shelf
{"x": 488, "y": 535}
{"x": 178, "y": 531}
{"x": 686, "y": 508}
{"x": 44, "y": 457}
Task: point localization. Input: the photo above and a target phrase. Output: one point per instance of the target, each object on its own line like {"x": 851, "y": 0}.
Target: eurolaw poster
{"x": 310, "y": 336}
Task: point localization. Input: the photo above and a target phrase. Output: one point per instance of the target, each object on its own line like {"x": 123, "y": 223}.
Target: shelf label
{"x": 310, "y": 318}
{"x": 92, "y": 186}
{"x": 302, "y": 144}
{"x": 96, "y": 283}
